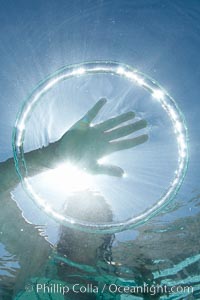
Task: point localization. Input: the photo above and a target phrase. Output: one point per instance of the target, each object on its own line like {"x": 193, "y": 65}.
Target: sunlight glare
{"x": 68, "y": 178}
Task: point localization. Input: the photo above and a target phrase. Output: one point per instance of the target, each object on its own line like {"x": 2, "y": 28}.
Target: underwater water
{"x": 160, "y": 39}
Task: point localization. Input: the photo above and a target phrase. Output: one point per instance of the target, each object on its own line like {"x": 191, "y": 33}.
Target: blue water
{"x": 159, "y": 38}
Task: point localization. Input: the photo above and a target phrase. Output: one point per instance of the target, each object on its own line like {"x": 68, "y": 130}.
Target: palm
{"x": 85, "y": 144}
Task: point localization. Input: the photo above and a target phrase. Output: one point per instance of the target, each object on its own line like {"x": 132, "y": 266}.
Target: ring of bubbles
{"x": 137, "y": 78}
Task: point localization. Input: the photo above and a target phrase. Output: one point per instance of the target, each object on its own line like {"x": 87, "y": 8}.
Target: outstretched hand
{"x": 84, "y": 144}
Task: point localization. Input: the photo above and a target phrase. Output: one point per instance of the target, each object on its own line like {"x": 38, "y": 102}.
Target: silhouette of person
{"x": 82, "y": 145}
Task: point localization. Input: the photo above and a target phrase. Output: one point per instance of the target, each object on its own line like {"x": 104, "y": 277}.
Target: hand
{"x": 84, "y": 144}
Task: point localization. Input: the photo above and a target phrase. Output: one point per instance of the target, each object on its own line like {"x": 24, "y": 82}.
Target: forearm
{"x": 8, "y": 176}
{"x": 40, "y": 160}
{"x": 37, "y": 161}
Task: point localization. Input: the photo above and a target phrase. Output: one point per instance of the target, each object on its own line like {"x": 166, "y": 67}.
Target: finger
{"x": 125, "y": 130}
{"x": 126, "y": 144}
{"x": 91, "y": 114}
{"x": 109, "y": 170}
{"x": 113, "y": 122}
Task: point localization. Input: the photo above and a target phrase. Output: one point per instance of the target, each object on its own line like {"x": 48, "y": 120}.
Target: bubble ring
{"x": 133, "y": 75}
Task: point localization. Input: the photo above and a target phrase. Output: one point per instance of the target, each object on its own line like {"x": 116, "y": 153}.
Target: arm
{"x": 8, "y": 176}
{"x": 83, "y": 145}
{"x": 37, "y": 161}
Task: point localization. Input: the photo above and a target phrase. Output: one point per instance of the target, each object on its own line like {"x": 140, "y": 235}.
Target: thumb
{"x": 108, "y": 170}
